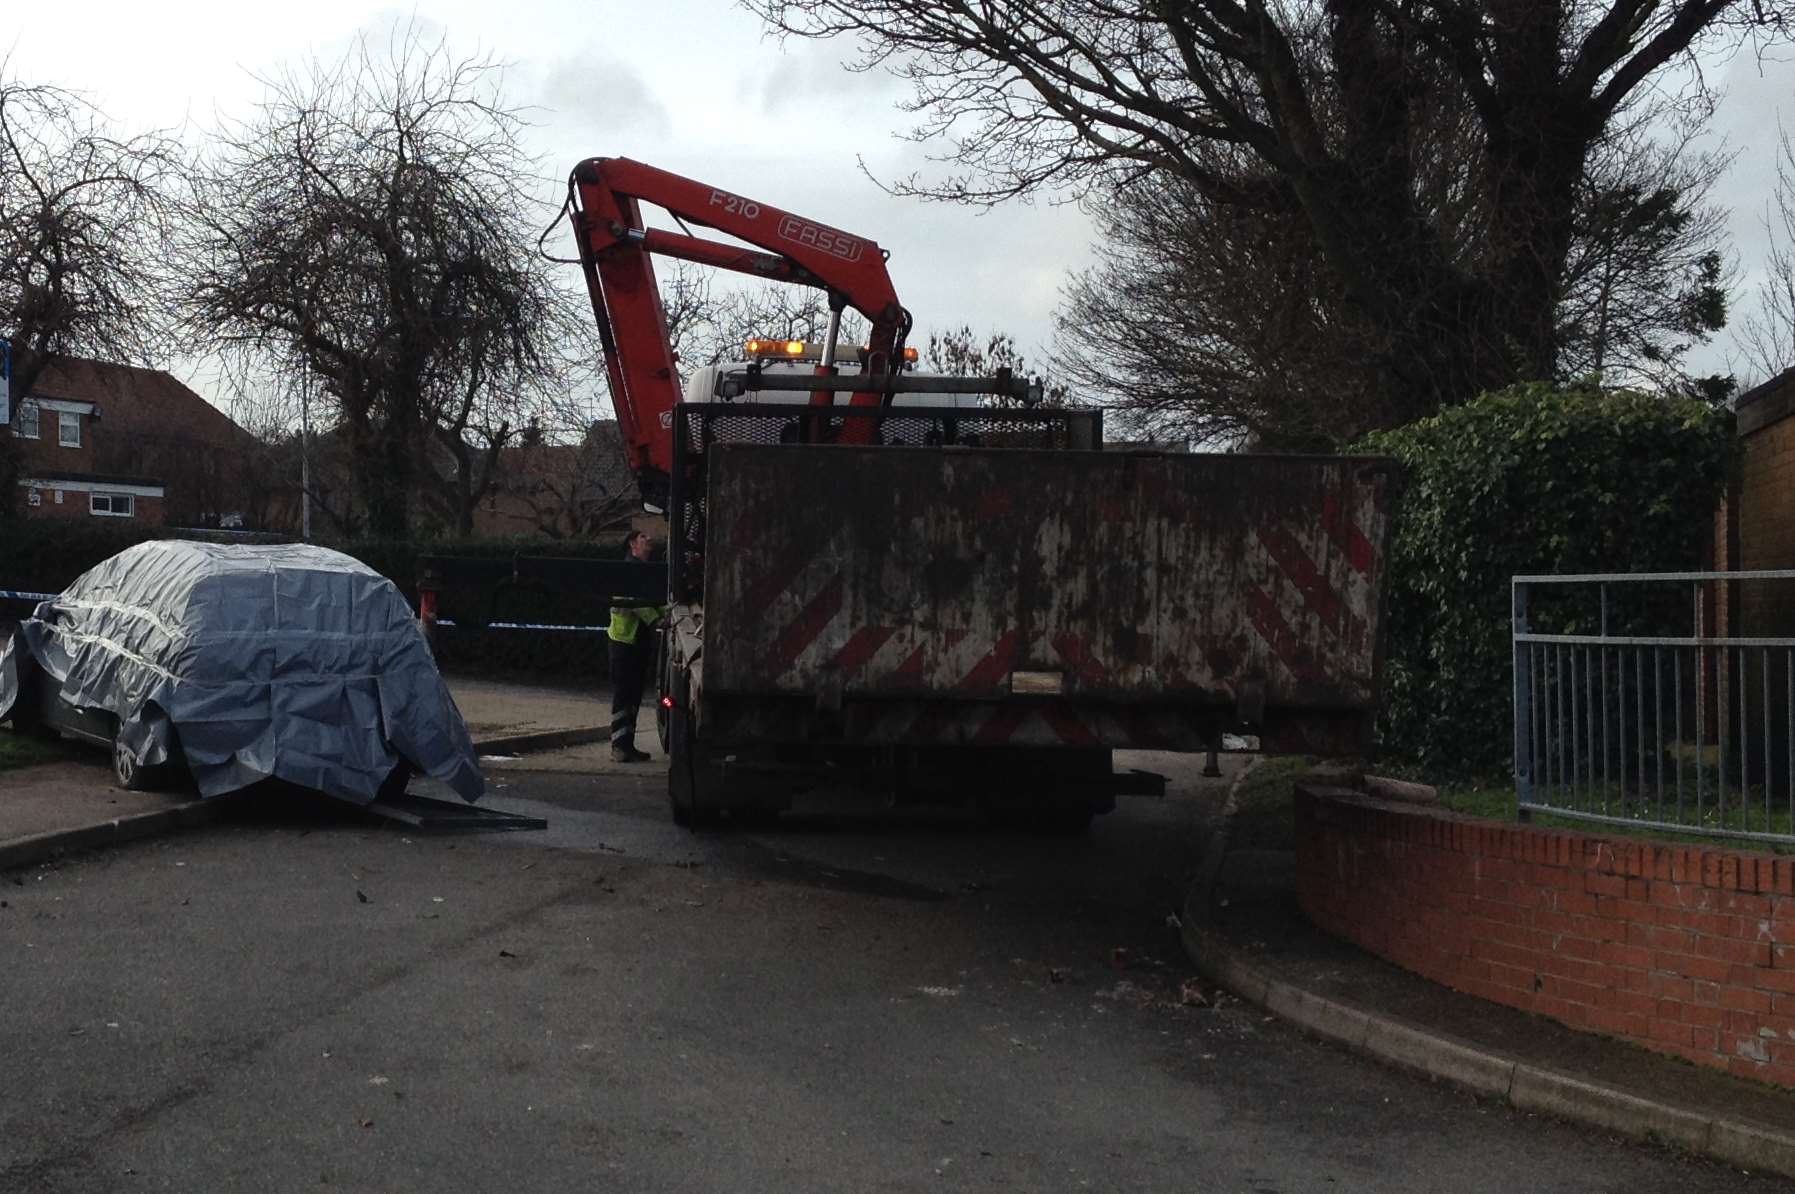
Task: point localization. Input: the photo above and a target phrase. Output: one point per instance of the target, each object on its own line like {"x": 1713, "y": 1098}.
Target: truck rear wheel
{"x": 692, "y": 779}
{"x": 663, "y": 670}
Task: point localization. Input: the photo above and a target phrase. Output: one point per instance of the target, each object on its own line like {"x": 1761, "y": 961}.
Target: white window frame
{"x": 29, "y": 427}
{"x": 112, "y": 500}
{"x": 65, "y": 425}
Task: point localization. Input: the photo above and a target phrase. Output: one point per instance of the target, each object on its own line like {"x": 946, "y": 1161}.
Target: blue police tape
{"x": 525, "y": 626}
{"x": 15, "y": 595}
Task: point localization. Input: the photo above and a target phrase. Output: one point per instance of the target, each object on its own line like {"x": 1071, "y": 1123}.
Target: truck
{"x": 938, "y": 588}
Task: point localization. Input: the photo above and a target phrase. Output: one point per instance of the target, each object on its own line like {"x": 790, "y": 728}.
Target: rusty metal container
{"x": 972, "y": 596}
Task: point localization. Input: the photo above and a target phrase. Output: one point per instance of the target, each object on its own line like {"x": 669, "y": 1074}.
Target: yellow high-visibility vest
{"x": 627, "y": 621}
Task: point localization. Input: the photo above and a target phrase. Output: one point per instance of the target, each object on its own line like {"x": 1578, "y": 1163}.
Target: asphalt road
{"x": 307, "y": 1001}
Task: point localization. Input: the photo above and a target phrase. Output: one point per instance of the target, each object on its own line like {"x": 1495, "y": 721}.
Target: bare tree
{"x": 960, "y": 352}
{"x": 83, "y": 215}
{"x": 373, "y": 224}
{"x": 577, "y": 490}
{"x": 710, "y": 323}
{"x": 1767, "y": 334}
{"x": 1646, "y": 279}
{"x": 1334, "y": 103}
{"x": 1223, "y": 323}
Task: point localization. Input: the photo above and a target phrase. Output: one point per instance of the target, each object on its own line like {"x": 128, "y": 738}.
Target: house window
{"x": 113, "y": 505}
{"x": 28, "y": 420}
{"x": 68, "y": 432}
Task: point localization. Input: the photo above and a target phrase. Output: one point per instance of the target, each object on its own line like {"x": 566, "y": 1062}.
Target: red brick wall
{"x": 75, "y": 504}
{"x": 45, "y": 454}
{"x": 1684, "y": 949}
{"x": 1766, "y": 526}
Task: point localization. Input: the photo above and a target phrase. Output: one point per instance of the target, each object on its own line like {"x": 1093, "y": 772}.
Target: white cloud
{"x": 590, "y": 90}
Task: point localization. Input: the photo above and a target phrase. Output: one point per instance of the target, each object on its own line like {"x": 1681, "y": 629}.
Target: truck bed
{"x": 988, "y": 596}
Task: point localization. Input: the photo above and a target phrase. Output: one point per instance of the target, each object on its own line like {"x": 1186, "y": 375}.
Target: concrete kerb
{"x": 54, "y": 843}
{"x": 1399, "y": 1043}
{"x": 545, "y": 740}
{"x": 41, "y": 847}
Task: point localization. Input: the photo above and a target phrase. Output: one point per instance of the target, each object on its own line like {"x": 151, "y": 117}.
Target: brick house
{"x": 99, "y": 440}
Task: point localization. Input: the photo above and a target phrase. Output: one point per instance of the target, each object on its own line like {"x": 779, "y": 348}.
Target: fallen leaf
{"x": 361, "y": 896}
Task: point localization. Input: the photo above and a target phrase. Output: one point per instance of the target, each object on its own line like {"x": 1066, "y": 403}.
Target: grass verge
{"x": 23, "y": 750}
{"x": 1265, "y": 816}
{"x": 1265, "y": 805}
{"x": 1495, "y": 799}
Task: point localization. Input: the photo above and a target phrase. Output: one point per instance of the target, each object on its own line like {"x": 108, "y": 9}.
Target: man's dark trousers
{"x": 629, "y": 672}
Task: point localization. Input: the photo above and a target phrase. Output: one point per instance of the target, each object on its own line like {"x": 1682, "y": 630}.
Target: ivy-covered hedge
{"x": 45, "y": 555}
{"x": 1531, "y": 479}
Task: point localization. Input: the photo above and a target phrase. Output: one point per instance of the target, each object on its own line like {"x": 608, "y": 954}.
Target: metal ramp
{"x": 426, "y": 814}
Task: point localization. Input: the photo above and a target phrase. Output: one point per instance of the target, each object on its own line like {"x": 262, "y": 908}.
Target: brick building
{"x": 98, "y": 440}
{"x": 1756, "y": 530}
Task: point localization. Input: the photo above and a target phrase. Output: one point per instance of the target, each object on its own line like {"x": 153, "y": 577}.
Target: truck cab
{"x": 735, "y": 381}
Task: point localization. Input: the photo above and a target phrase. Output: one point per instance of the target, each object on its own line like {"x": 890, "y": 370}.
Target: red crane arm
{"x": 616, "y": 251}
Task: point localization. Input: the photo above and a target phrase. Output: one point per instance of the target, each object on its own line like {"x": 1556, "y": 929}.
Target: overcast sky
{"x": 694, "y": 86}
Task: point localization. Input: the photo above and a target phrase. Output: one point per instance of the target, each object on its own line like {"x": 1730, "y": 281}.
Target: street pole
{"x": 305, "y": 456}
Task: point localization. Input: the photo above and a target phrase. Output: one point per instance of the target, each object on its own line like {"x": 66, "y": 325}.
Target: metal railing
{"x": 1636, "y": 701}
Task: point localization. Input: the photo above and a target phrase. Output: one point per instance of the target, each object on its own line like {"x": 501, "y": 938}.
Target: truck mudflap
{"x": 1044, "y": 598}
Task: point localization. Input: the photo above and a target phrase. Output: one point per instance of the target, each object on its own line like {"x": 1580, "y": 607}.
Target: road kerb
{"x": 1404, "y": 1045}
{"x": 1542, "y": 1090}
{"x": 1321, "y": 1016}
{"x": 39, "y": 847}
{"x": 52, "y": 843}
{"x": 1751, "y": 1147}
{"x": 1407, "y": 1047}
{"x": 545, "y": 740}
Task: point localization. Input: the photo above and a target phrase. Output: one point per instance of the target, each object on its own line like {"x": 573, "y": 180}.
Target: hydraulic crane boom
{"x": 616, "y": 250}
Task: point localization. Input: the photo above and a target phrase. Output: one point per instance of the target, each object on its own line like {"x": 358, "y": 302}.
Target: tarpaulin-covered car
{"x": 241, "y": 663}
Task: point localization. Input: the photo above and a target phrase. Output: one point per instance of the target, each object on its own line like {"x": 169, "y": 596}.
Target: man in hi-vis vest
{"x": 632, "y": 655}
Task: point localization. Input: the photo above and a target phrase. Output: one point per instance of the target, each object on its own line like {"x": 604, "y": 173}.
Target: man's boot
{"x": 628, "y": 754}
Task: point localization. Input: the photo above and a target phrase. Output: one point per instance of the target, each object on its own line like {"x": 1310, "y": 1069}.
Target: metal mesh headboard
{"x": 699, "y": 425}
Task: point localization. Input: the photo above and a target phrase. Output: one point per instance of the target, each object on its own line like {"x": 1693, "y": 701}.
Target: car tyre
{"x": 128, "y": 773}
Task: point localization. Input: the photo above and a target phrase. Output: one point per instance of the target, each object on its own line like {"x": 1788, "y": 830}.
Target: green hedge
{"x": 1532, "y": 479}
{"x": 44, "y": 555}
